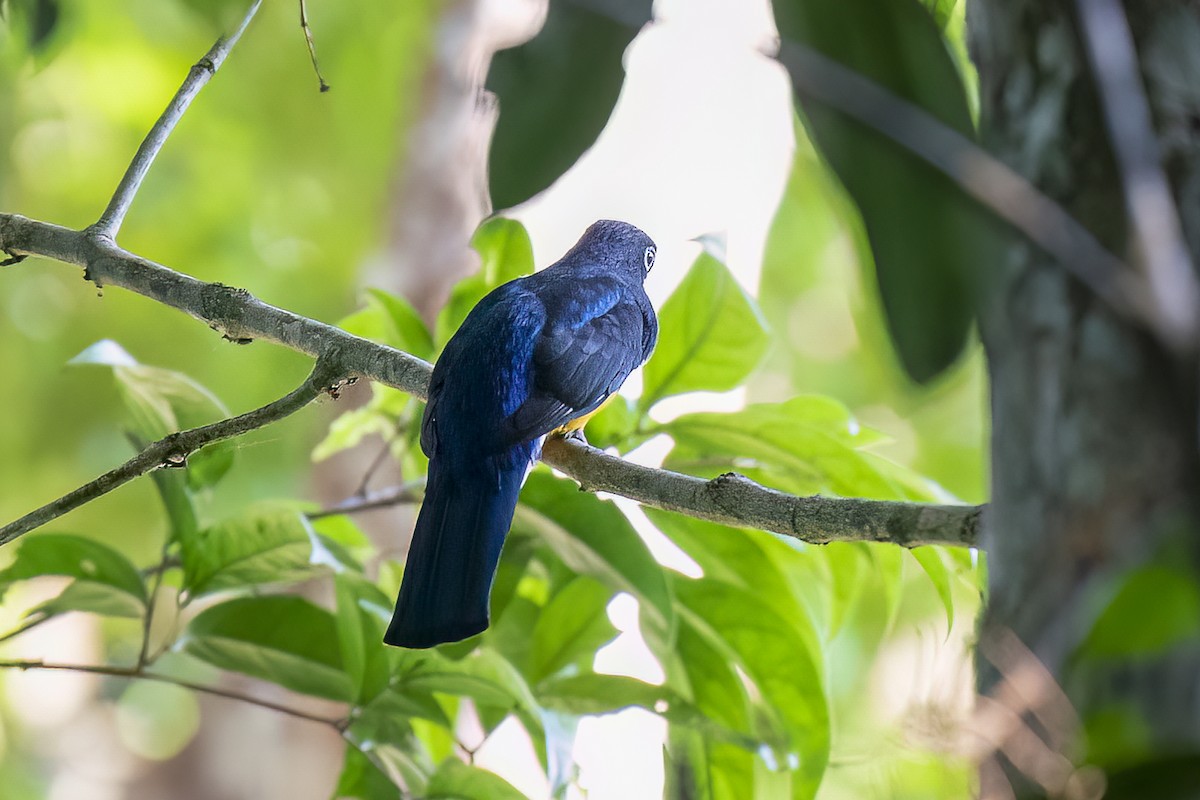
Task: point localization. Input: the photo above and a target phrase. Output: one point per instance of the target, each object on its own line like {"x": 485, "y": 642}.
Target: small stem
{"x": 148, "y": 620}
{"x": 199, "y": 75}
{"x": 173, "y": 450}
{"x": 312, "y": 46}
{"x": 376, "y": 463}
{"x": 408, "y": 492}
{"x": 134, "y": 673}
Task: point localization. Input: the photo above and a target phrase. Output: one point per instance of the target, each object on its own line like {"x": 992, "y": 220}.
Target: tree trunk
{"x": 1095, "y": 470}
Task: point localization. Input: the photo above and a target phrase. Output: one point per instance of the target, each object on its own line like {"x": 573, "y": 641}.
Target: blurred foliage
{"x": 929, "y": 243}
{"x": 776, "y": 663}
{"x": 556, "y": 93}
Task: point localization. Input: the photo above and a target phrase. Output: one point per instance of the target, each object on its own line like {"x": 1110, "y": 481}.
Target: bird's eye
{"x": 648, "y": 258}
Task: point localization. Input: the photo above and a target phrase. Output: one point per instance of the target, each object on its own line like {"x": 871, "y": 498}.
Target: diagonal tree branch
{"x": 980, "y": 175}
{"x": 199, "y": 75}
{"x": 173, "y": 450}
{"x": 1163, "y": 254}
{"x": 731, "y": 500}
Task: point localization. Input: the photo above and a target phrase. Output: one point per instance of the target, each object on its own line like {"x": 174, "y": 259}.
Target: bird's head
{"x": 618, "y": 246}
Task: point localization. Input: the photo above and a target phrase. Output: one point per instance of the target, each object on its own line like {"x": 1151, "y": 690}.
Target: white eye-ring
{"x": 648, "y": 258}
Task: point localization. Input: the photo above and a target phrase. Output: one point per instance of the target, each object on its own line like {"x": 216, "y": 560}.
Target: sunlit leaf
{"x": 283, "y": 639}
{"x": 362, "y": 780}
{"x": 593, "y": 537}
{"x": 798, "y": 446}
{"x": 259, "y": 546}
{"x": 391, "y": 320}
{"x": 573, "y": 626}
{"x": 505, "y": 252}
{"x": 711, "y": 335}
{"x": 381, "y": 416}
{"x": 105, "y": 580}
{"x": 391, "y": 745}
{"x": 779, "y": 662}
{"x": 482, "y": 675}
{"x": 602, "y": 694}
{"x": 362, "y": 614}
{"x": 160, "y": 401}
{"x": 455, "y": 780}
{"x": 930, "y": 559}
{"x": 775, "y": 570}
{"x": 556, "y": 93}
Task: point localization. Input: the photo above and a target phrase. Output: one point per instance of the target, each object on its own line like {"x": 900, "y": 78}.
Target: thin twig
{"x": 372, "y": 468}
{"x": 312, "y": 46}
{"x": 1163, "y": 254}
{"x": 199, "y": 75}
{"x": 980, "y": 175}
{"x": 173, "y": 450}
{"x": 409, "y": 492}
{"x": 138, "y": 674}
{"x": 148, "y": 619}
{"x": 237, "y": 314}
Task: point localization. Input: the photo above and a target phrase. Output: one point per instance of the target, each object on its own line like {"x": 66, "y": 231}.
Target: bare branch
{"x": 403, "y": 494}
{"x": 1163, "y": 254}
{"x": 199, "y": 75}
{"x": 138, "y": 674}
{"x": 731, "y": 500}
{"x": 173, "y": 450}
{"x": 980, "y": 175}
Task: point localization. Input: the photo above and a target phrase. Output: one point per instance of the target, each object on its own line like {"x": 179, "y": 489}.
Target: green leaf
{"x": 362, "y": 615}
{"x": 711, "y": 335}
{"x": 556, "y": 93}
{"x": 594, "y": 538}
{"x": 1154, "y": 609}
{"x": 391, "y": 320}
{"x": 483, "y": 675}
{"x": 94, "y": 598}
{"x": 38, "y": 20}
{"x": 385, "y": 413}
{"x": 455, "y": 780}
{"x": 105, "y": 580}
{"x": 888, "y": 561}
{"x": 756, "y": 561}
{"x": 804, "y": 446}
{"x": 931, "y": 560}
{"x": 927, "y": 238}
{"x": 270, "y": 545}
{"x": 777, "y": 658}
{"x": 362, "y": 780}
{"x": 283, "y": 639}
{"x": 573, "y": 626}
{"x": 506, "y": 252}
{"x": 161, "y": 401}
{"x": 593, "y": 693}
{"x": 392, "y": 746}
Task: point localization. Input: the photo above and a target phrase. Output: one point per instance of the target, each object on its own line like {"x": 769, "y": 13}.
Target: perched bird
{"x": 533, "y": 356}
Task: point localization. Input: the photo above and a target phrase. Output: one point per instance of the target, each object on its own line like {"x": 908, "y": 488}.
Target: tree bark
{"x": 1094, "y": 445}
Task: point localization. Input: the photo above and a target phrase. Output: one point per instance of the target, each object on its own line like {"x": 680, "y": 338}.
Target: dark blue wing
{"x": 581, "y": 357}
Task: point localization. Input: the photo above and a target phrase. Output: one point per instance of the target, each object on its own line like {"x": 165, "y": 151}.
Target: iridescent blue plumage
{"x": 533, "y": 355}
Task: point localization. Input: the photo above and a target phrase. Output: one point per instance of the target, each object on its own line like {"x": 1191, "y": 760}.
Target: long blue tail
{"x": 455, "y": 549}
